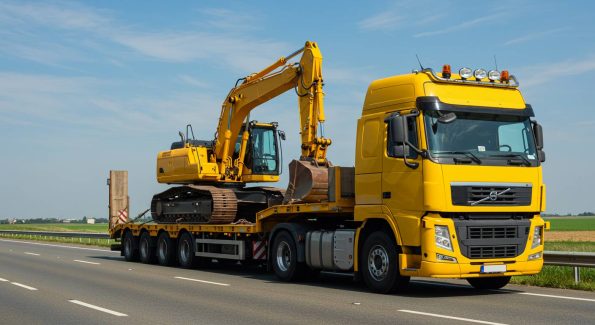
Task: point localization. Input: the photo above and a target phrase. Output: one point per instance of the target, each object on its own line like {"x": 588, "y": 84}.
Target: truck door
{"x": 402, "y": 186}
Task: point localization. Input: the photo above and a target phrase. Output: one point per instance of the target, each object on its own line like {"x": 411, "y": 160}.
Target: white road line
{"x": 62, "y": 246}
{"x": 29, "y": 253}
{"x": 202, "y": 281}
{"x": 449, "y": 317}
{"x": 24, "y": 286}
{"x": 554, "y": 296}
{"x": 3, "y": 280}
{"x": 86, "y": 262}
{"x": 105, "y": 310}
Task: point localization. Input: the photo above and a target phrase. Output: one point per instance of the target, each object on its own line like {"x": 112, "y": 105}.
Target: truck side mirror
{"x": 538, "y": 132}
{"x": 397, "y": 127}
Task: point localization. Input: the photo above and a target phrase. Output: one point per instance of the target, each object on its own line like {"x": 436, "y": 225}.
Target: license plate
{"x": 493, "y": 268}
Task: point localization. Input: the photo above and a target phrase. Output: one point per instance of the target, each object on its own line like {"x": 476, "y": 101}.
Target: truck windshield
{"x": 481, "y": 138}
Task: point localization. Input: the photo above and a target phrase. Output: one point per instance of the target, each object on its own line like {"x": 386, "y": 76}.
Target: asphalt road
{"x": 43, "y": 283}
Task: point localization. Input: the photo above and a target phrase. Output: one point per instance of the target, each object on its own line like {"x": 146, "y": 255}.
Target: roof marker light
{"x": 494, "y": 75}
{"x": 504, "y": 76}
{"x": 465, "y": 73}
{"x": 446, "y": 71}
{"x": 480, "y": 74}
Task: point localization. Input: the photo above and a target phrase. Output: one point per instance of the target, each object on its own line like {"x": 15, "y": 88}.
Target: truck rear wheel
{"x": 379, "y": 264}
{"x": 166, "y": 250}
{"x": 146, "y": 248}
{"x": 284, "y": 258}
{"x": 129, "y": 247}
{"x": 492, "y": 283}
{"x": 186, "y": 251}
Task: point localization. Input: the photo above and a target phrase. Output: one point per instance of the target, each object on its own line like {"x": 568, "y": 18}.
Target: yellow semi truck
{"x": 447, "y": 183}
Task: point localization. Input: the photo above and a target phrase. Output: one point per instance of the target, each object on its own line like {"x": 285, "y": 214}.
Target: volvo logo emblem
{"x": 493, "y": 195}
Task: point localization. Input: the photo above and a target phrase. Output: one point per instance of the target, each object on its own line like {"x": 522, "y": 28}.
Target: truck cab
{"x": 451, "y": 163}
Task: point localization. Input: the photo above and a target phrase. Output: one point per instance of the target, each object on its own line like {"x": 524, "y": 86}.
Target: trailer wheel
{"x": 379, "y": 264}
{"x": 166, "y": 250}
{"x": 186, "y": 251}
{"x": 284, "y": 258}
{"x": 129, "y": 247}
{"x": 146, "y": 248}
{"x": 489, "y": 283}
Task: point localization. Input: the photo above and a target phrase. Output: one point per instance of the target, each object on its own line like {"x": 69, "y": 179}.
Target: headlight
{"x": 466, "y": 73}
{"x": 480, "y": 74}
{"x": 494, "y": 75}
{"x": 442, "y": 237}
{"x": 536, "y": 237}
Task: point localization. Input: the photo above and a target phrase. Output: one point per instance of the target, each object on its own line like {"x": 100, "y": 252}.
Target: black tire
{"x": 130, "y": 247}
{"x": 492, "y": 283}
{"x": 379, "y": 265}
{"x": 186, "y": 251}
{"x": 147, "y": 249}
{"x": 284, "y": 258}
{"x": 166, "y": 250}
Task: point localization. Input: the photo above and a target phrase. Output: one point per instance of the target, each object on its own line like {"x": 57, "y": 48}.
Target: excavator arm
{"x": 305, "y": 77}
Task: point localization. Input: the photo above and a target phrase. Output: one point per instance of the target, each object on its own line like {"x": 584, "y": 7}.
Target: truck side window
{"x": 393, "y": 147}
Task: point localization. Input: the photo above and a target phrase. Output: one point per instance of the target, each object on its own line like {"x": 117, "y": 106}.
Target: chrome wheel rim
{"x": 378, "y": 263}
{"x": 283, "y": 256}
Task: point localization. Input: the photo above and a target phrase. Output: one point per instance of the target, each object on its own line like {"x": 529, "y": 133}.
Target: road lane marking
{"x": 3, "y": 280}
{"x": 24, "y": 286}
{"x": 62, "y": 246}
{"x": 29, "y": 253}
{"x": 449, "y": 317}
{"x": 105, "y": 310}
{"x": 86, "y": 262}
{"x": 554, "y": 296}
{"x": 202, "y": 281}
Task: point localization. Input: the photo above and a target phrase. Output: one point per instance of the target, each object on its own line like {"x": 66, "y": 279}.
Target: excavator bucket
{"x": 308, "y": 183}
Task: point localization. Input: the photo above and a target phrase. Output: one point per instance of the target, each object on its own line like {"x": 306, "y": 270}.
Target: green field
{"x": 570, "y": 246}
{"x": 572, "y": 223}
{"x": 559, "y": 277}
{"x": 76, "y": 227}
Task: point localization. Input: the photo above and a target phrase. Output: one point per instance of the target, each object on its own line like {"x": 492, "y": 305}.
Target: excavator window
{"x": 262, "y": 156}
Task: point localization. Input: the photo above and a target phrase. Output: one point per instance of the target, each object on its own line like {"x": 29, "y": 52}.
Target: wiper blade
{"x": 525, "y": 162}
{"x": 466, "y": 153}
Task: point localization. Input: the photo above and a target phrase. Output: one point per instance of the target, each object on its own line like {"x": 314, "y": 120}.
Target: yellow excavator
{"x": 213, "y": 174}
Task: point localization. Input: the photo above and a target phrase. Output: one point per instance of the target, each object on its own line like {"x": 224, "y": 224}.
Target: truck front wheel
{"x": 284, "y": 258}
{"x": 379, "y": 264}
{"x": 489, "y": 283}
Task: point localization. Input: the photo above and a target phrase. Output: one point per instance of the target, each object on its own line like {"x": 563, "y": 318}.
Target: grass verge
{"x": 70, "y": 240}
{"x": 77, "y": 227}
{"x": 559, "y": 277}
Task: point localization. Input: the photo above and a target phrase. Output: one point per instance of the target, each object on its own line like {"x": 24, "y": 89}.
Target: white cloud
{"x": 383, "y": 21}
{"x": 462, "y": 26}
{"x": 534, "y": 36}
{"x": 540, "y": 74}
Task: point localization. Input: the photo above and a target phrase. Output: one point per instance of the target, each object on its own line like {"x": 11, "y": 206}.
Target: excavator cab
{"x": 263, "y": 157}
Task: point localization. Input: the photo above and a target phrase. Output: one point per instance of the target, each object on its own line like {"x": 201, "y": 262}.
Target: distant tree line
{"x": 582, "y": 214}
{"x": 51, "y": 220}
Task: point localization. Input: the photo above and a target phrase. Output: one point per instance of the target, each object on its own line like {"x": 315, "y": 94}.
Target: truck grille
{"x": 486, "y": 194}
{"x": 492, "y": 238}
{"x": 491, "y": 232}
{"x": 493, "y": 251}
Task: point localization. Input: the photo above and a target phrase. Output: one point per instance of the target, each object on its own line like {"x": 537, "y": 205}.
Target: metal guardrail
{"x": 574, "y": 259}
{"x": 68, "y": 234}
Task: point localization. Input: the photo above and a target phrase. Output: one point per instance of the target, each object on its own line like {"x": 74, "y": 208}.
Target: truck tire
{"x": 379, "y": 264}
{"x": 166, "y": 250}
{"x": 146, "y": 249}
{"x": 186, "y": 251}
{"x": 129, "y": 247}
{"x": 492, "y": 283}
{"x": 284, "y": 258}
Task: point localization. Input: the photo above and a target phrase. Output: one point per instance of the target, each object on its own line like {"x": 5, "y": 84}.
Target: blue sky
{"x": 86, "y": 87}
